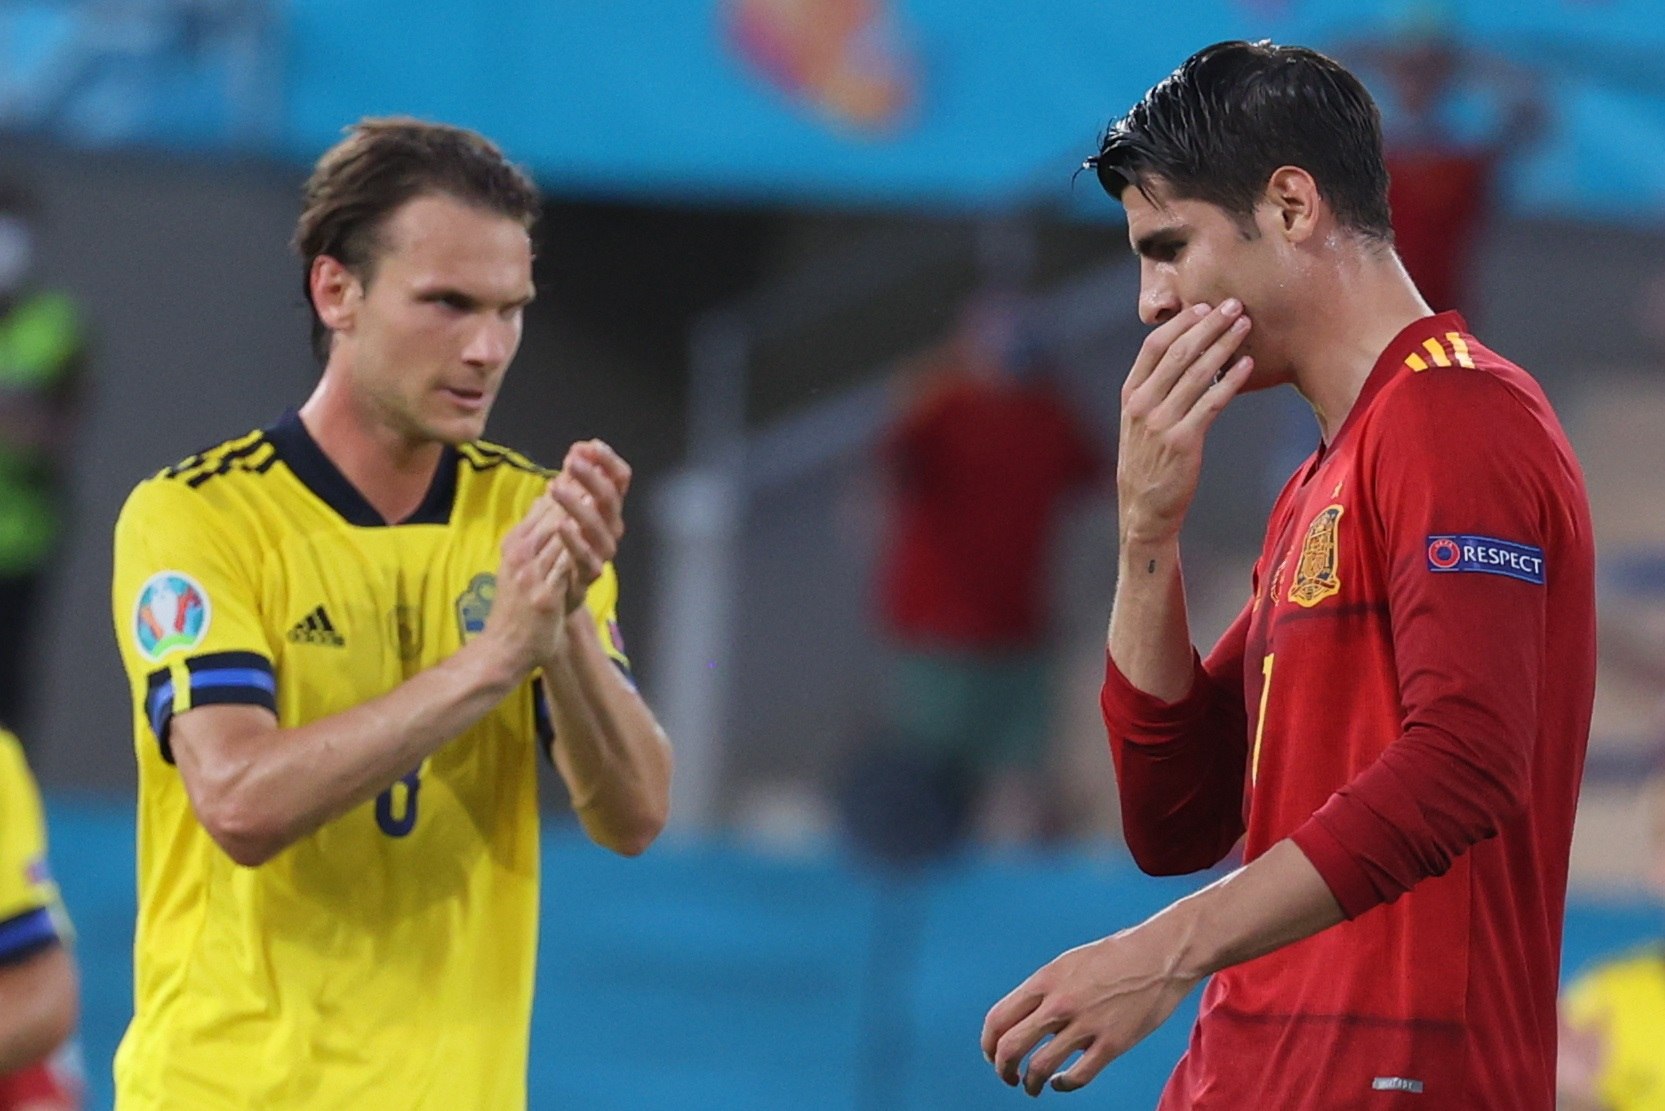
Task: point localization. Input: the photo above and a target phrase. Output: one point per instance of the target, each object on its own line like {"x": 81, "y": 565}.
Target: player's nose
{"x": 490, "y": 346}
{"x": 1158, "y": 302}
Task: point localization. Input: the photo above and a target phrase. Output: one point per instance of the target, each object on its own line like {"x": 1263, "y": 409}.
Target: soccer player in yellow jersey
{"x": 37, "y": 973}
{"x": 348, "y": 635}
{"x": 1612, "y": 1053}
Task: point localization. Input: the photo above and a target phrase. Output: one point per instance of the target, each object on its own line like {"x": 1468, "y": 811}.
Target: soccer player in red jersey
{"x": 1395, "y": 725}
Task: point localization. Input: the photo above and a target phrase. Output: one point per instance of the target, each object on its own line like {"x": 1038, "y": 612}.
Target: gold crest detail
{"x": 406, "y": 622}
{"x": 1316, "y": 572}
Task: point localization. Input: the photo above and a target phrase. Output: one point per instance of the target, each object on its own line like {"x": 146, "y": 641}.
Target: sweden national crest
{"x": 1316, "y": 572}
{"x": 474, "y": 604}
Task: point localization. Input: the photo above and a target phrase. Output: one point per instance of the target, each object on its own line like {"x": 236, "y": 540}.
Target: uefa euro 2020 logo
{"x": 172, "y": 612}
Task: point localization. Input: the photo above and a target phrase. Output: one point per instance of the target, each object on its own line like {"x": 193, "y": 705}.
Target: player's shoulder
{"x": 15, "y": 777}
{"x": 11, "y": 751}
{"x": 194, "y": 482}
{"x": 1453, "y": 359}
{"x": 1452, "y": 376}
{"x": 500, "y": 464}
{"x": 252, "y": 453}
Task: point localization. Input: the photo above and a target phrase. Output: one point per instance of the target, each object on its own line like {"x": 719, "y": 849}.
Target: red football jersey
{"x": 981, "y": 472}
{"x": 1440, "y": 198}
{"x": 1407, "y": 696}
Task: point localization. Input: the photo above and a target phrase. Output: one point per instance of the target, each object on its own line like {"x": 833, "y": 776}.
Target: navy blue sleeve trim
{"x": 159, "y": 707}
{"x": 26, "y": 934}
{"x": 219, "y": 661}
{"x": 218, "y": 678}
{"x": 545, "y": 725}
{"x": 541, "y": 720}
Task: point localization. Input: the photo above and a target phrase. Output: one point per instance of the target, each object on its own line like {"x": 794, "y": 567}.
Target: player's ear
{"x": 336, "y": 293}
{"x": 1293, "y": 197}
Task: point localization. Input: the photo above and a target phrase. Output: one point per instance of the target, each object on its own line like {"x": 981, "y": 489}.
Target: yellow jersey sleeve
{"x": 30, "y": 912}
{"x": 1584, "y": 1002}
{"x": 602, "y": 601}
{"x": 186, "y": 605}
{"x": 1624, "y": 1000}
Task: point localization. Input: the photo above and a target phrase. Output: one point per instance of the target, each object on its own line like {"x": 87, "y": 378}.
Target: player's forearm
{"x": 1150, "y": 635}
{"x": 37, "y": 1007}
{"x": 1275, "y": 901}
{"x": 263, "y": 794}
{"x": 609, "y": 748}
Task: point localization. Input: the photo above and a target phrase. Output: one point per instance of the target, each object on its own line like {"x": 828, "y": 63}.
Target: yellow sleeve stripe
{"x": 179, "y": 671}
{"x": 1460, "y": 346}
{"x": 1437, "y": 353}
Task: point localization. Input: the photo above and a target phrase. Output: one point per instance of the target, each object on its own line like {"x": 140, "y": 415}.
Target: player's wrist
{"x": 1139, "y": 548}
{"x": 1142, "y": 525}
{"x": 576, "y": 630}
{"x": 1185, "y": 954}
{"x": 492, "y": 667}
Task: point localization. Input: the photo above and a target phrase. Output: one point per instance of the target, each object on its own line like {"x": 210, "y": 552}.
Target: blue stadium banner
{"x": 938, "y": 103}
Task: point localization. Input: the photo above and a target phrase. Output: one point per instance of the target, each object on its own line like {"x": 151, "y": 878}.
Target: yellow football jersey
{"x": 387, "y": 959}
{"x": 31, "y": 916}
{"x": 1625, "y": 999}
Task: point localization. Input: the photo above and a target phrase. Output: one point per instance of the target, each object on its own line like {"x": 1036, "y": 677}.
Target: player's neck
{"x": 1370, "y": 300}
{"x": 392, "y": 472}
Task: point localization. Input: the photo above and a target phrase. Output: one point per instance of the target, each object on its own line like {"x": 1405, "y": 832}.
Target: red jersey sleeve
{"x": 1180, "y": 765}
{"x": 1466, "y": 480}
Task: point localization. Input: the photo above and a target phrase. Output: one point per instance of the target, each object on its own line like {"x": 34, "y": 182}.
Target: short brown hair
{"x": 376, "y": 169}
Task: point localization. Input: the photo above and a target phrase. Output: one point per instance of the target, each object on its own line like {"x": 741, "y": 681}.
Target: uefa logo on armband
{"x": 172, "y": 613}
{"x": 1487, "y": 555}
{"x": 1443, "y": 553}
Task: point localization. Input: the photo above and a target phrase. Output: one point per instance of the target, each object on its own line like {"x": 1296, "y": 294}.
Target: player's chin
{"x": 1265, "y": 373}
{"x": 458, "y": 427}
{"x": 1258, "y": 381}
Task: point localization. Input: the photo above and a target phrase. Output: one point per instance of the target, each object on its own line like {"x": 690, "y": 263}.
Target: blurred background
{"x": 822, "y": 270}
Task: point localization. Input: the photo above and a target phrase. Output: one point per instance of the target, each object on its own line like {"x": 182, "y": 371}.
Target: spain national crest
{"x": 1316, "y": 576}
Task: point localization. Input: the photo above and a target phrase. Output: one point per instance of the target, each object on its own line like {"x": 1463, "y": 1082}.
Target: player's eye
{"x": 456, "y": 302}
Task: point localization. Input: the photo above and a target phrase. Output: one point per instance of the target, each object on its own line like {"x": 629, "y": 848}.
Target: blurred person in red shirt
{"x": 1453, "y": 116}
{"x": 981, "y": 461}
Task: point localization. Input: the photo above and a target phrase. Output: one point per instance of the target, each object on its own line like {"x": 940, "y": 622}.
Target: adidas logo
{"x": 317, "y": 628}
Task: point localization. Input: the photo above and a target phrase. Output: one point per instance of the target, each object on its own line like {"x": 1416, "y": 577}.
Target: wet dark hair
{"x": 375, "y": 170}
{"x": 1217, "y": 128}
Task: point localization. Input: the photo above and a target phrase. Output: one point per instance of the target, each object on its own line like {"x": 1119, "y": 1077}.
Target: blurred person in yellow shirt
{"x": 38, "y": 992}
{"x": 1612, "y": 1054}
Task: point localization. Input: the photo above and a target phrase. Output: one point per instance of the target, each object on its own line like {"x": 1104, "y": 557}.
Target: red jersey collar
{"x": 1392, "y": 360}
